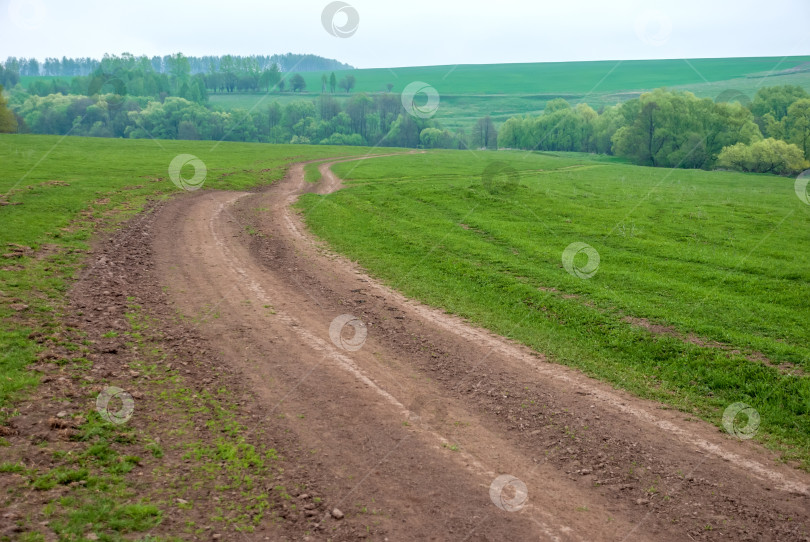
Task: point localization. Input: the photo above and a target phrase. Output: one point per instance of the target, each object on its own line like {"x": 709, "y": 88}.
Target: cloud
{"x": 417, "y": 32}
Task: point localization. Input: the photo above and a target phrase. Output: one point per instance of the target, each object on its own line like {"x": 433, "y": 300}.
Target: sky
{"x": 385, "y": 33}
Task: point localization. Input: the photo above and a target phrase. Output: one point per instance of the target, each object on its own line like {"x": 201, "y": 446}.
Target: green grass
{"x": 311, "y": 172}
{"x": 715, "y": 254}
{"x": 65, "y": 186}
{"x": 561, "y": 77}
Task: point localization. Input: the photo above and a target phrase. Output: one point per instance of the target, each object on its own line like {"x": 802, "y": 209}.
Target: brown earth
{"x": 406, "y": 430}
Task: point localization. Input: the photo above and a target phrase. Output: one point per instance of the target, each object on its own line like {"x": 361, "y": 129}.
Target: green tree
{"x": 776, "y": 100}
{"x": 332, "y": 83}
{"x": 347, "y": 83}
{"x": 179, "y": 70}
{"x": 677, "y": 129}
{"x": 557, "y": 104}
{"x": 8, "y": 123}
{"x": 270, "y": 77}
{"x": 484, "y": 134}
{"x": 297, "y": 83}
{"x": 433, "y": 138}
{"x": 765, "y": 156}
{"x": 797, "y": 125}
{"x": 328, "y": 106}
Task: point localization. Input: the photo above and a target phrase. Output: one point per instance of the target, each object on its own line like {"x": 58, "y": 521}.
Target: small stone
{"x": 61, "y": 414}
{"x": 91, "y": 536}
{"x": 337, "y": 514}
{"x": 642, "y": 501}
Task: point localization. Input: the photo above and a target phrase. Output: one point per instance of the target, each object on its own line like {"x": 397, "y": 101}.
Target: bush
{"x": 766, "y": 156}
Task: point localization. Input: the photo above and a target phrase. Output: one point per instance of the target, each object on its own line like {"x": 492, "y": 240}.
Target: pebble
{"x": 337, "y": 514}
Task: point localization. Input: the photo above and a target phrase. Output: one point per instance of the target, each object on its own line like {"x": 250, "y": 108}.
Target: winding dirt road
{"x": 414, "y": 413}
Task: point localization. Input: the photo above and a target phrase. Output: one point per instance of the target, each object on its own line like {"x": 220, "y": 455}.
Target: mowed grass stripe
{"x": 714, "y": 254}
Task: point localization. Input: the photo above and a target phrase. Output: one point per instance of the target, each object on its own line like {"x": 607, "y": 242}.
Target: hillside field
{"x": 691, "y": 292}
{"x": 700, "y": 295}
{"x": 469, "y": 92}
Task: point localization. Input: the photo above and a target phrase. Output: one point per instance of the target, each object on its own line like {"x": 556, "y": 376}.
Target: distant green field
{"x": 562, "y": 77}
{"x": 469, "y": 92}
{"x": 715, "y": 255}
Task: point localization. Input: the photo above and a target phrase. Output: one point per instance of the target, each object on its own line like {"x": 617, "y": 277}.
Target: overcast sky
{"x": 409, "y": 32}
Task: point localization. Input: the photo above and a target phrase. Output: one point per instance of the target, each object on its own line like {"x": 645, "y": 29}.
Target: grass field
{"x": 562, "y": 77}
{"x": 62, "y": 191}
{"x": 63, "y": 187}
{"x": 715, "y": 260}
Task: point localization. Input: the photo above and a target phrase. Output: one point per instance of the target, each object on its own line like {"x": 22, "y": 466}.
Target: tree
{"x": 484, "y": 134}
{"x": 433, "y": 138}
{"x": 797, "y": 125}
{"x": 179, "y": 69}
{"x": 297, "y": 83}
{"x": 677, "y": 129}
{"x": 324, "y": 82}
{"x": 358, "y": 108}
{"x": 332, "y": 83}
{"x": 347, "y": 83}
{"x": 557, "y": 104}
{"x": 766, "y": 156}
{"x": 270, "y": 77}
{"x": 328, "y": 106}
{"x": 282, "y": 84}
{"x": 8, "y": 123}
{"x": 776, "y": 100}
{"x": 389, "y": 87}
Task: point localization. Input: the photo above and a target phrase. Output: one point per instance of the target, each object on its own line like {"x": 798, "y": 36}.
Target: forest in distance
{"x": 131, "y": 97}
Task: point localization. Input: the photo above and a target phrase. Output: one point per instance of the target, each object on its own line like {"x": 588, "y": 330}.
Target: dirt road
{"x": 413, "y": 415}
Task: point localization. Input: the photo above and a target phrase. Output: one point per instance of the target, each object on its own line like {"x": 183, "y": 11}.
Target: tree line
{"x": 676, "y": 129}
{"x": 362, "y": 120}
{"x": 71, "y": 67}
{"x": 174, "y": 75}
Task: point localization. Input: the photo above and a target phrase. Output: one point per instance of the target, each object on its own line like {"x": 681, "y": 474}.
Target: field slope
{"x": 700, "y": 295}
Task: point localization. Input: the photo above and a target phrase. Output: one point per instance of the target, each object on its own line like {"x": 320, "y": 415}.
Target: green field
{"x": 713, "y": 255}
{"x": 66, "y": 187}
{"x": 563, "y": 77}
{"x": 470, "y": 92}
{"x": 715, "y": 259}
